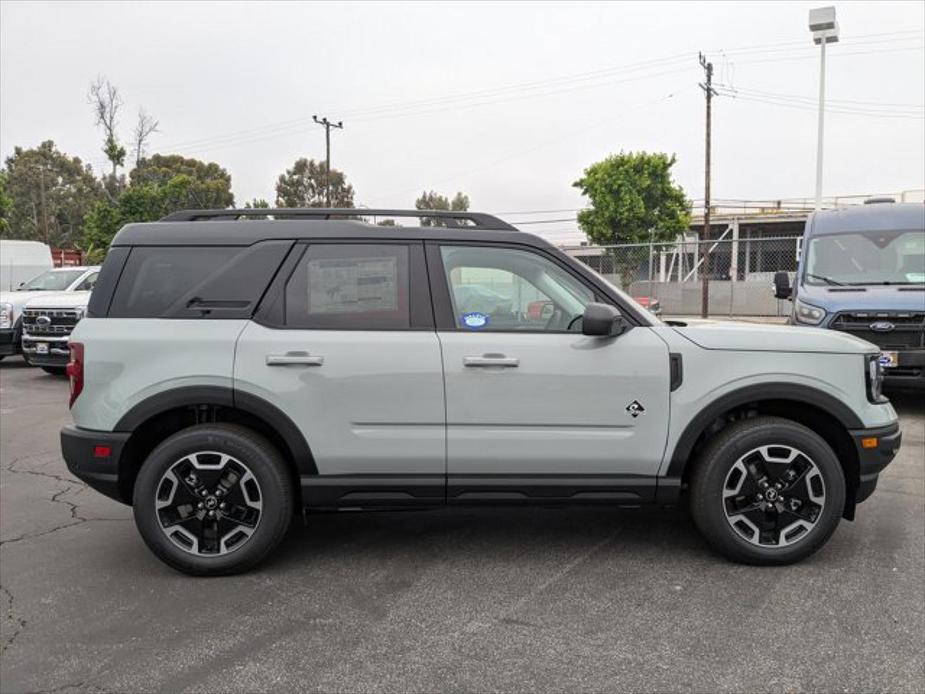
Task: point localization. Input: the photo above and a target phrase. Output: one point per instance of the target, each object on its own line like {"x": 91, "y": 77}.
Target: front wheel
{"x": 213, "y": 499}
{"x": 767, "y": 491}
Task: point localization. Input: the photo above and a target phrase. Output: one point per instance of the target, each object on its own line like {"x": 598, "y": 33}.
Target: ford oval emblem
{"x": 882, "y": 326}
{"x": 44, "y": 321}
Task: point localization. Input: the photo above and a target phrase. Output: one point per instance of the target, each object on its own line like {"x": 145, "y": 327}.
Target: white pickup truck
{"x": 68, "y": 283}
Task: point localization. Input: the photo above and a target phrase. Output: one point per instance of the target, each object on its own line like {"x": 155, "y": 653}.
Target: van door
{"x": 347, "y": 350}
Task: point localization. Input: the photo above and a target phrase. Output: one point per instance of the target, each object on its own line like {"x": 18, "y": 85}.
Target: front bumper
{"x": 57, "y": 354}
{"x": 9, "y": 344}
{"x": 876, "y": 449}
{"x": 83, "y": 451}
{"x": 909, "y": 370}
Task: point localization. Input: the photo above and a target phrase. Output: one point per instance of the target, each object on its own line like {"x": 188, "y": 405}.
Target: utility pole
{"x": 709, "y": 92}
{"x": 327, "y": 144}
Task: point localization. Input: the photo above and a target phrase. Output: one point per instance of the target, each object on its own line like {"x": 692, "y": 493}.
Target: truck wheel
{"x": 213, "y": 499}
{"x": 767, "y": 491}
{"x": 54, "y": 370}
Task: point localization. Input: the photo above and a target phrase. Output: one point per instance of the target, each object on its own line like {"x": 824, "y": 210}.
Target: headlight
{"x": 80, "y": 312}
{"x": 6, "y": 315}
{"x": 874, "y": 378}
{"x": 805, "y": 313}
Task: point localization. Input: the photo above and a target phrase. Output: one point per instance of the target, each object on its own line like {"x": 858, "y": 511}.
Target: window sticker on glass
{"x": 347, "y": 285}
{"x": 475, "y": 320}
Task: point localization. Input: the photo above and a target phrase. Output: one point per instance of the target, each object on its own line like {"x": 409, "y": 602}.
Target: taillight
{"x": 75, "y": 370}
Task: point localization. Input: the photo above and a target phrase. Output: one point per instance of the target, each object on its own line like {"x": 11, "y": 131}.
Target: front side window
{"x": 873, "y": 257}
{"x": 87, "y": 283}
{"x": 504, "y": 289}
{"x": 51, "y": 281}
{"x": 350, "y": 287}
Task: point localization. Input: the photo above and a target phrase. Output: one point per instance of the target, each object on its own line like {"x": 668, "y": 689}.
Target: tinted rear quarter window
{"x": 196, "y": 281}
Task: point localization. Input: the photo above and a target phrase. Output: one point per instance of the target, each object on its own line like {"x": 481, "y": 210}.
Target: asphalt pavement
{"x": 588, "y": 599}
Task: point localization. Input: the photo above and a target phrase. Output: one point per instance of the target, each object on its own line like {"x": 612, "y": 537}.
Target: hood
{"x": 59, "y": 300}
{"x": 18, "y": 299}
{"x": 773, "y": 338}
{"x": 871, "y": 298}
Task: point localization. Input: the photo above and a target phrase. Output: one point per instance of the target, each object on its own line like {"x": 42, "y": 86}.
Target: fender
{"x": 756, "y": 393}
{"x": 224, "y": 397}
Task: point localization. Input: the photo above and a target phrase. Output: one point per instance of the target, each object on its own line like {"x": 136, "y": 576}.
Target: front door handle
{"x": 491, "y": 360}
{"x": 299, "y": 358}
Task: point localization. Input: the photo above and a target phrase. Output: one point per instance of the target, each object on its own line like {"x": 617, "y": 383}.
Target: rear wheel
{"x": 213, "y": 499}
{"x": 55, "y": 370}
{"x": 767, "y": 491}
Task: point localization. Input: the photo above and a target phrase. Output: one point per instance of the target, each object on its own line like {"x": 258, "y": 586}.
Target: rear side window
{"x": 196, "y": 281}
{"x": 350, "y": 287}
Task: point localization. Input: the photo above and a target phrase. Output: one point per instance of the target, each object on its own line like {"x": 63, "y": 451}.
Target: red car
{"x": 650, "y": 303}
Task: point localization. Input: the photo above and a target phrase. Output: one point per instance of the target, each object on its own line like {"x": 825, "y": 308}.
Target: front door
{"x": 534, "y": 408}
{"x": 353, "y": 360}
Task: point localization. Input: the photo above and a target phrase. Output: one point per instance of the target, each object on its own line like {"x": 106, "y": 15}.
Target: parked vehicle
{"x": 232, "y": 370}
{"x": 650, "y": 303}
{"x": 21, "y": 261}
{"x": 862, "y": 271}
{"x": 65, "y": 279}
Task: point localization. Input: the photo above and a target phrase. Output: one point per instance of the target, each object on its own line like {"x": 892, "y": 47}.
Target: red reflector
{"x": 102, "y": 451}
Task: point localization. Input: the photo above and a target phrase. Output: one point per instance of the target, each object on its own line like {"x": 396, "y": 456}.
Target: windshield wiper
{"x": 828, "y": 280}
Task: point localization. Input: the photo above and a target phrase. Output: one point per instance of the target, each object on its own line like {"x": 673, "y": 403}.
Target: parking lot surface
{"x": 536, "y": 599}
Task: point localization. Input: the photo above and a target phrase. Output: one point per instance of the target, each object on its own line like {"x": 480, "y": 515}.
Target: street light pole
{"x": 825, "y": 30}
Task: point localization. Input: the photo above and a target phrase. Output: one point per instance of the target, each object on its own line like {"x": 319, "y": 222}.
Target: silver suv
{"x": 239, "y": 365}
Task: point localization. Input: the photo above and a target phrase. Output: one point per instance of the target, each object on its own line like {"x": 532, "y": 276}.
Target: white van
{"x": 21, "y": 261}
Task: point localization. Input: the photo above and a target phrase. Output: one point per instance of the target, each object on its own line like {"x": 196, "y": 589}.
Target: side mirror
{"x": 782, "y": 288}
{"x": 602, "y": 320}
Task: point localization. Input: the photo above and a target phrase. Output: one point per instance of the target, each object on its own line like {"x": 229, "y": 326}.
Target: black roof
{"x": 245, "y": 227}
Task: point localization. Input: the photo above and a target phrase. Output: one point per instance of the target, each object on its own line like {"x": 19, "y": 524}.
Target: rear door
{"x": 347, "y": 350}
{"x": 534, "y": 408}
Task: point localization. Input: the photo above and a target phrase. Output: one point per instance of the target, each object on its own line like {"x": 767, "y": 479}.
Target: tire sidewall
{"x": 708, "y": 489}
{"x": 261, "y": 459}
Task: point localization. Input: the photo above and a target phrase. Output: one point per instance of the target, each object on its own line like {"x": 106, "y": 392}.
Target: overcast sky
{"x": 506, "y": 102}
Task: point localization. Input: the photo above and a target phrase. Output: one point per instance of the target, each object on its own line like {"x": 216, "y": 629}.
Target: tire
{"x": 259, "y": 468}
{"x": 727, "y": 479}
{"x": 55, "y": 370}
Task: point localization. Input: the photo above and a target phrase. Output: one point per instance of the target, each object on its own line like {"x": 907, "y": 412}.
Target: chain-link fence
{"x": 739, "y": 273}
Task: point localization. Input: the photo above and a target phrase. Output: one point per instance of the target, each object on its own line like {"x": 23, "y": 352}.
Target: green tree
{"x": 207, "y": 185}
{"x": 304, "y": 185}
{"x": 257, "y": 204}
{"x": 633, "y": 200}
{"x": 49, "y": 195}
{"x": 430, "y": 200}
{"x": 161, "y": 185}
{"x": 6, "y": 204}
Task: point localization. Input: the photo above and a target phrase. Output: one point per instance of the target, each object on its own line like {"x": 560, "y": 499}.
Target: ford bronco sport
{"x": 238, "y": 365}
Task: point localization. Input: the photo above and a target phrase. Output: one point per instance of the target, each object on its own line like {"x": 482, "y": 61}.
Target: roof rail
{"x": 478, "y": 220}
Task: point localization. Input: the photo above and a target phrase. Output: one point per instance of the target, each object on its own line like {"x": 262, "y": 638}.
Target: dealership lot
{"x": 506, "y": 599}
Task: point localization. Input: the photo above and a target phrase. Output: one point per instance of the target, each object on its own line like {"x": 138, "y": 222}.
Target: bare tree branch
{"x": 144, "y": 128}
{"x": 106, "y": 102}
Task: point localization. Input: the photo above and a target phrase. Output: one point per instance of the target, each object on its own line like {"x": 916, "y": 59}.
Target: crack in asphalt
{"x": 10, "y": 615}
{"x": 69, "y": 485}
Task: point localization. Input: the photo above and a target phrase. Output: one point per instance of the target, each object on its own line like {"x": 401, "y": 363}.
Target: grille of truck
{"x": 60, "y": 322}
{"x": 908, "y": 328}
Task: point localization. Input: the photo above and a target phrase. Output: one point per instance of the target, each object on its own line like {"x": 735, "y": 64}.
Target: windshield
{"x": 868, "y": 257}
{"x": 51, "y": 281}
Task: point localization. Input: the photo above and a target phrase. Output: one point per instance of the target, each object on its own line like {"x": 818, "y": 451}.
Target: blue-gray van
{"x": 862, "y": 271}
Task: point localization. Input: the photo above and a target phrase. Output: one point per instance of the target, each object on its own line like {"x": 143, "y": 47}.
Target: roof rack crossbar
{"x": 477, "y": 219}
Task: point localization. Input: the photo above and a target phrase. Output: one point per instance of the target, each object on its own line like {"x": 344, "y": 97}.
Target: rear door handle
{"x": 491, "y": 360}
{"x": 299, "y": 358}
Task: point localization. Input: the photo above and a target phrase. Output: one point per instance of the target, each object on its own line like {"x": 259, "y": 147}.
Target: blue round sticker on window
{"x": 474, "y": 320}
